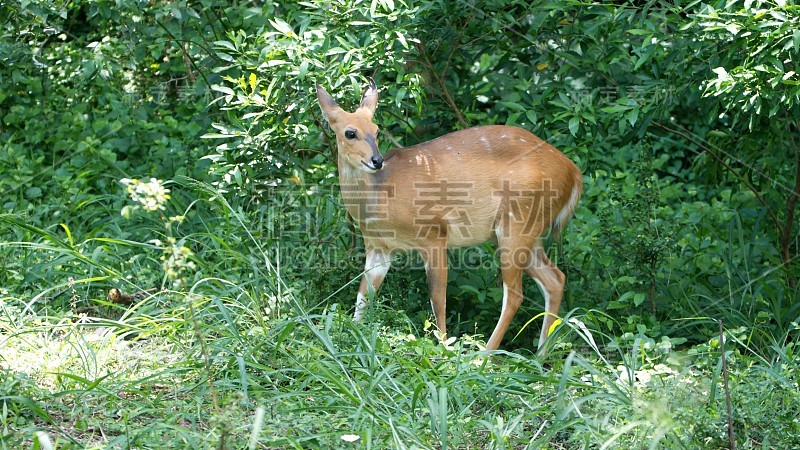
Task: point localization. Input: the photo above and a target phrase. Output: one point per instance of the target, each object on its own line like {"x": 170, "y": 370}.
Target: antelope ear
{"x": 330, "y": 110}
{"x": 369, "y": 99}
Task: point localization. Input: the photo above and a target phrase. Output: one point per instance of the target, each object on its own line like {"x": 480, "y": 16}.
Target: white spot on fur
{"x": 546, "y": 294}
{"x": 486, "y": 144}
{"x": 505, "y": 299}
{"x": 565, "y": 212}
{"x": 422, "y": 160}
{"x": 361, "y": 305}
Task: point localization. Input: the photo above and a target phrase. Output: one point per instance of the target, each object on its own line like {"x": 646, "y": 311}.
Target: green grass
{"x": 240, "y": 351}
{"x": 92, "y": 382}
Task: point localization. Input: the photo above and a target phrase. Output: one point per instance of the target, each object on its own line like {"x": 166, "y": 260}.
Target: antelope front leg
{"x": 436, "y": 270}
{"x": 375, "y": 269}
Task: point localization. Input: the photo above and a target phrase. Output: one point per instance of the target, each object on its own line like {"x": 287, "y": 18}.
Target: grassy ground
{"x": 320, "y": 381}
{"x": 231, "y": 353}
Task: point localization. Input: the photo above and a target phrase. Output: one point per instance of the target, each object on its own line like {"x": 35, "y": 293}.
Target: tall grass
{"x": 232, "y": 356}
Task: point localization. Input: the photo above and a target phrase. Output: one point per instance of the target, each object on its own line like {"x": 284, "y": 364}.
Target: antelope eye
{"x": 350, "y": 134}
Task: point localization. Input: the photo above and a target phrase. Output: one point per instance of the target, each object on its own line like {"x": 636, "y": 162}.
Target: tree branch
{"x": 791, "y": 205}
{"x": 775, "y": 221}
{"x": 440, "y": 80}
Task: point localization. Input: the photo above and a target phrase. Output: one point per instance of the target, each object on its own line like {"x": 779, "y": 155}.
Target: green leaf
{"x": 512, "y": 118}
{"x": 733, "y": 28}
{"x": 282, "y": 26}
{"x": 615, "y": 108}
{"x": 513, "y": 106}
{"x": 227, "y": 44}
{"x": 573, "y": 125}
{"x": 401, "y": 94}
{"x": 303, "y": 69}
{"x": 33, "y": 192}
{"x": 632, "y": 116}
{"x": 223, "y": 89}
{"x": 402, "y": 39}
{"x": 647, "y": 56}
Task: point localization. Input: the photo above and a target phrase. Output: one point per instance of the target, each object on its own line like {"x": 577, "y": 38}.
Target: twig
{"x": 791, "y": 204}
{"x": 776, "y": 222}
{"x": 457, "y": 44}
{"x": 204, "y": 349}
{"x": 407, "y": 124}
{"x": 445, "y": 93}
{"x": 185, "y": 53}
{"x": 390, "y": 137}
{"x": 731, "y": 436}
{"x": 784, "y": 229}
{"x": 187, "y": 61}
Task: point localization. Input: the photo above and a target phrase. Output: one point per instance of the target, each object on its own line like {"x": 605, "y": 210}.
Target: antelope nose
{"x": 377, "y": 161}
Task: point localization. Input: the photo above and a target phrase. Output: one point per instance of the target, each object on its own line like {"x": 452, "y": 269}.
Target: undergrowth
{"x": 226, "y": 354}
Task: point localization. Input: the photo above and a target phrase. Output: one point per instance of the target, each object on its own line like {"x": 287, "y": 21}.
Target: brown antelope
{"x": 461, "y": 189}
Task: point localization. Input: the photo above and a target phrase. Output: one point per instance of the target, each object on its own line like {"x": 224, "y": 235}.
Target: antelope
{"x": 462, "y": 189}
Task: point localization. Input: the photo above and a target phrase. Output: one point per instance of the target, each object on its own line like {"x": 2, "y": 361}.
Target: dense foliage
{"x": 172, "y": 154}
